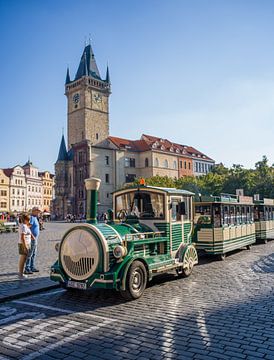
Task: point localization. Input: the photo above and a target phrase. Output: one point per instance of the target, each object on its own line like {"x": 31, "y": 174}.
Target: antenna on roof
{"x": 63, "y": 131}
{"x": 89, "y": 38}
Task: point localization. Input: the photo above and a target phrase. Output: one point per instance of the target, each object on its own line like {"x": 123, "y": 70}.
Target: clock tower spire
{"x": 87, "y": 95}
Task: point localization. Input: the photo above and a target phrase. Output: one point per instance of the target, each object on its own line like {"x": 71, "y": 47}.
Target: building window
{"x": 146, "y": 162}
{"x": 80, "y": 156}
{"x": 185, "y": 164}
{"x": 156, "y": 162}
{"x": 107, "y": 195}
{"x": 189, "y": 166}
{"x": 129, "y": 162}
{"x": 18, "y": 203}
{"x": 130, "y": 178}
{"x": 13, "y": 191}
{"x": 3, "y": 205}
{"x": 3, "y": 193}
{"x": 107, "y": 160}
{"x": 107, "y": 178}
{"x": 166, "y": 163}
{"x": 174, "y": 164}
{"x": 12, "y": 202}
{"x": 23, "y": 203}
{"x": 97, "y": 136}
{"x": 181, "y": 164}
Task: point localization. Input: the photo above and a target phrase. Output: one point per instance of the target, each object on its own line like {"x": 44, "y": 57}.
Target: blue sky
{"x": 199, "y": 73}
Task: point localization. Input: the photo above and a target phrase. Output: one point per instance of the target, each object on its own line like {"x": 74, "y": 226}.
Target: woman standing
{"x": 24, "y": 244}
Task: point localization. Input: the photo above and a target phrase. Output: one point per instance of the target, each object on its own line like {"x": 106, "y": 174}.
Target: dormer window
{"x": 204, "y": 156}
{"x": 199, "y": 155}
{"x": 177, "y": 151}
{"x": 193, "y": 154}
{"x": 171, "y": 149}
{"x": 162, "y": 147}
{"x": 154, "y": 146}
{"x": 184, "y": 152}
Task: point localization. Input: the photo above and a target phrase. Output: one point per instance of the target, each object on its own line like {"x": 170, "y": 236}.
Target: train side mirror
{"x": 182, "y": 208}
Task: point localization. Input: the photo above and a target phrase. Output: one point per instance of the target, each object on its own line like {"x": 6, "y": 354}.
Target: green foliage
{"x": 224, "y": 180}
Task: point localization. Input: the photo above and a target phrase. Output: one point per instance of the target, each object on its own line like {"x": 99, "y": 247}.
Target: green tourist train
{"x": 153, "y": 230}
{"x": 264, "y": 219}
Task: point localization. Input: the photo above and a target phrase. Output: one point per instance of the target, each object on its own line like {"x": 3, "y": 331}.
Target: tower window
{"x": 97, "y": 136}
{"x": 107, "y": 178}
{"x": 107, "y": 160}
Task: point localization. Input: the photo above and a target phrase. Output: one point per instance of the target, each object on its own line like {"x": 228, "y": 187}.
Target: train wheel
{"x": 189, "y": 258}
{"x": 248, "y": 247}
{"x": 136, "y": 281}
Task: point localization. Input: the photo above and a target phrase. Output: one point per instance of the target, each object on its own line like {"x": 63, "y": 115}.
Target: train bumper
{"x": 97, "y": 280}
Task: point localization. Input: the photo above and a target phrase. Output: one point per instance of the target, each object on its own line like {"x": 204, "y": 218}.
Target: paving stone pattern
{"x": 224, "y": 310}
{"x": 9, "y": 283}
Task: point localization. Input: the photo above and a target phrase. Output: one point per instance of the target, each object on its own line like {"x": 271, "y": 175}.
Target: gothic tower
{"x": 88, "y": 105}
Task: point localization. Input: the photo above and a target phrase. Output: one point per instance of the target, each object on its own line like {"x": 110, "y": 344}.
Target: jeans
{"x": 31, "y": 256}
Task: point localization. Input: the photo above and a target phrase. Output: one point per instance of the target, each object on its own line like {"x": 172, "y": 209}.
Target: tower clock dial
{"x": 97, "y": 101}
{"x": 76, "y": 98}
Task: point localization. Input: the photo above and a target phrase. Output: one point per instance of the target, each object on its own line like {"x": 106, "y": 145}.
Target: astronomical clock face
{"x": 98, "y": 101}
{"x": 76, "y": 100}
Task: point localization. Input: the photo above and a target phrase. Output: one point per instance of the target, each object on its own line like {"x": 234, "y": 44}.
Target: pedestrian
{"x": 24, "y": 243}
{"x": 35, "y": 229}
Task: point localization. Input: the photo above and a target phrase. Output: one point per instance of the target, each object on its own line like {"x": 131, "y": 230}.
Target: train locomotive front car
{"x": 149, "y": 233}
{"x": 264, "y": 219}
{"x": 223, "y": 223}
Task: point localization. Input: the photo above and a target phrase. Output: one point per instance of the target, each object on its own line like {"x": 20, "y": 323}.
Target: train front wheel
{"x": 136, "y": 281}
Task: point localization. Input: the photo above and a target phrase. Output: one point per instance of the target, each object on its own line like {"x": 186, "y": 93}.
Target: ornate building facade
{"x": 93, "y": 152}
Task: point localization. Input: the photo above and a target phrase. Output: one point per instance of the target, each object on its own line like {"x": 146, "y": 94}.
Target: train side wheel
{"x": 248, "y": 247}
{"x": 136, "y": 281}
{"x": 222, "y": 257}
{"x": 190, "y": 258}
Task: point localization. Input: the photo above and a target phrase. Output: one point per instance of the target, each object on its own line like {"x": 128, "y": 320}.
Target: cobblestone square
{"x": 224, "y": 310}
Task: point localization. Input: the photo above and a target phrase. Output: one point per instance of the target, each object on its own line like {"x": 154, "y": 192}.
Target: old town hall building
{"x": 93, "y": 152}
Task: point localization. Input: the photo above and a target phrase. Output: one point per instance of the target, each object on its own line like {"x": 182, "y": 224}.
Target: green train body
{"x": 223, "y": 224}
{"x": 264, "y": 219}
{"x": 150, "y": 233}
{"x": 153, "y": 230}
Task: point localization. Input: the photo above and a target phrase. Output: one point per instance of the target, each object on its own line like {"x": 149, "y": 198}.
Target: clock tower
{"x": 88, "y": 106}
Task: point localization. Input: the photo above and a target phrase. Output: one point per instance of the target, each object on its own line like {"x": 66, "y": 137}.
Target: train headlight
{"x": 119, "y": 251}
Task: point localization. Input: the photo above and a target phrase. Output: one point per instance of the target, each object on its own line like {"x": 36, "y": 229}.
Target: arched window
{"x": 166, "y": 163}
{"x": 146, "y": 162}
{"x": 174, "y": 164}
{"x": 156, "y": 162}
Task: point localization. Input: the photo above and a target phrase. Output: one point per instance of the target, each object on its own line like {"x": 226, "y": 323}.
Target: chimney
{"x": 92, "y": 187}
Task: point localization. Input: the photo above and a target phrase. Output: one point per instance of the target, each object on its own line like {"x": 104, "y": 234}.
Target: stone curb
{"x": 27, "y": 293}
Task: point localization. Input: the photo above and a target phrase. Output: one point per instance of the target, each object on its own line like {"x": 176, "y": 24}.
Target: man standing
{"x": 30, "y": 263}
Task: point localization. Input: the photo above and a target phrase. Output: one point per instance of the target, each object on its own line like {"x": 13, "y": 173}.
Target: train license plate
{"x": 77, "y": 285}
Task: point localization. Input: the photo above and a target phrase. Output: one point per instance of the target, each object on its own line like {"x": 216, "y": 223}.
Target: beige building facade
{"x": 4, "y": 192}
{"x": 17, "y": 183}
{"x": 47, "y": 190}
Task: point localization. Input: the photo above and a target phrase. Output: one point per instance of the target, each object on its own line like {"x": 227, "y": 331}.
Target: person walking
{"x": 24, "y": 243}
{"x": 35, "y": 230}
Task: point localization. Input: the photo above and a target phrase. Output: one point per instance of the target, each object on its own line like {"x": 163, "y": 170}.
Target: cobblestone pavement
{"x": 224, "y": 310}
{"x": 9, "y": 284}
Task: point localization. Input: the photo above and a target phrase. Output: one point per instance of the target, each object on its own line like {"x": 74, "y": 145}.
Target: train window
{"x": 232, "y": 215}
{"x": 238, "y": 215}
{"x": 175, "y": 215}
{"x": 217, "y": 215}
{"x": 243, "y": 214}
{"x": 144, "y": 205}
{"x": 226, "y": 215}
{"x": 202, "y": 214}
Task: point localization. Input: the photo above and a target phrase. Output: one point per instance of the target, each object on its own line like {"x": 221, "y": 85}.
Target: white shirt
{"x": 24, "y": 229}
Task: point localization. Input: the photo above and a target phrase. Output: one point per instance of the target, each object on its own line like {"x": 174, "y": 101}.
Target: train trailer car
{"x": 223, "y": 224}
{"x": 149, "y": 233}
{"x": 264, "y": 219}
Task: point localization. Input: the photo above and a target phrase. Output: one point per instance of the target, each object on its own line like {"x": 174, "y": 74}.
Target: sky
{"x": 196, "y": 72}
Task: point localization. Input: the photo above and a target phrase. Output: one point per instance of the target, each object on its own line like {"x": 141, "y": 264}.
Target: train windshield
{"x": 142, "y": 204}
